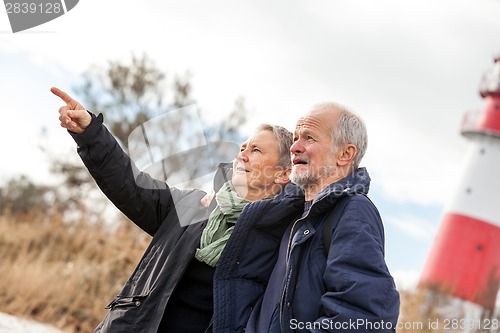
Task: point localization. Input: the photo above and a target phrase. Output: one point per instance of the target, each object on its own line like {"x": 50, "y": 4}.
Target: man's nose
{"x": 296, "y": 147}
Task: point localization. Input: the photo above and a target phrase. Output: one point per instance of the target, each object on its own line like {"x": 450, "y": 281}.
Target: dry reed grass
{"x": 64, "y": 274}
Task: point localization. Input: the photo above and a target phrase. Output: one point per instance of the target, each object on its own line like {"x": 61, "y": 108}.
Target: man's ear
{"x": 346, "y": 155}
{"x": 283, "y": 176}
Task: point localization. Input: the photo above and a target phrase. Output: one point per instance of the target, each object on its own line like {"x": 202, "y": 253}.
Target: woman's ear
{"x": 346, "y": 154}
{"x": 283, "y": 176}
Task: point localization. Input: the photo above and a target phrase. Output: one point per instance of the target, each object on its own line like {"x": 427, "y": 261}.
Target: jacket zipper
{"x": 136, "y": 301}
{"x": 286, "y": 269}
{"x": 288, "y": 252}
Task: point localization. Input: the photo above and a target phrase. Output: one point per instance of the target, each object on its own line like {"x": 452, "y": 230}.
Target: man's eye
{"x": 256, "y": 150}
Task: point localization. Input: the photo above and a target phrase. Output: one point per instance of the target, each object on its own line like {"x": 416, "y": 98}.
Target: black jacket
{"x": 175, "y": 218}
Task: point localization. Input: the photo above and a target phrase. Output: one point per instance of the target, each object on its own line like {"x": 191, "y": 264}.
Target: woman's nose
{"x": 242, "y": 155}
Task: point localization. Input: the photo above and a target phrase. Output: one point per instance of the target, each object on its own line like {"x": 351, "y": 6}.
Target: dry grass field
{"x": 64, "y": 274}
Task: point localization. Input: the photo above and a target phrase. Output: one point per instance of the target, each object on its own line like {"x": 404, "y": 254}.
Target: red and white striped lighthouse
{"x": 464, "y": 261}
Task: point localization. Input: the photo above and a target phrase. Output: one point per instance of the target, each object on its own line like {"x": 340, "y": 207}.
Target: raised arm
{"x": 141, "y": 198}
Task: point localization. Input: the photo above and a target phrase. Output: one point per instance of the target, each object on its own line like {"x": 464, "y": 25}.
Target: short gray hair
{"x": 350, "y": 129}
{"x": 285, "y": 139}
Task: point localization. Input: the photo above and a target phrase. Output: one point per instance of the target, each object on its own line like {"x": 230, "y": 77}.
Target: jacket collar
{"x": 292, "y": 191}
{"x": 358, "y": 182}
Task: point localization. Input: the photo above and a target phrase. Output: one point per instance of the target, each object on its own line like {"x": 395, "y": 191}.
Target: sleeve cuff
{"x": 91, "y": 132}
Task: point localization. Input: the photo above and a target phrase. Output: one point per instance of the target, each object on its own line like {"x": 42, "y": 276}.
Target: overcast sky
{"x": 410, "y": 68}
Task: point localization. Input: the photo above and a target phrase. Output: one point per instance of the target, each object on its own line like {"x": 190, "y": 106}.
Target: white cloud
{"x": 410, "y": 164}
{"x": 416, "y": 227}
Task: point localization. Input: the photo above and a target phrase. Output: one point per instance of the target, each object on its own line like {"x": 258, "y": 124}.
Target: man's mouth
{"x": 298, "y": 161}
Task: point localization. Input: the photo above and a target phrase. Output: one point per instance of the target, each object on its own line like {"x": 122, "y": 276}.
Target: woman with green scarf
{"x": 259, "y": 171}
{"x": 171, "y": 290}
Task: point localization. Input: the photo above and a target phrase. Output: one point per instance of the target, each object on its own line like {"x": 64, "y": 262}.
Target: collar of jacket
{"x": 223, "y": 174}
{"x": 291, "y": 191}
{"x": 358, "y": 182}
{"x": 276, "y": 211}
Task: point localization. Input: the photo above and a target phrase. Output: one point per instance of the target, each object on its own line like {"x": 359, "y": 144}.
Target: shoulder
{"x": 361, "y": 207}
{"x": 360, "y": 216}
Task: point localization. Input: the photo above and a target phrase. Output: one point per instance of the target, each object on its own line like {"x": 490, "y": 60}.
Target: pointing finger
{"x": 61, "y": 94}
{"x": 72, "y": 103}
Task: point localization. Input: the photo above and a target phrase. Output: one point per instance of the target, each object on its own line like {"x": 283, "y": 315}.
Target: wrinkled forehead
{"x": 318, "y": 121}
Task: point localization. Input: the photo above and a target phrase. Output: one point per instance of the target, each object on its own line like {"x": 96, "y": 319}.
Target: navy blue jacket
{"x": 350, "y": 290}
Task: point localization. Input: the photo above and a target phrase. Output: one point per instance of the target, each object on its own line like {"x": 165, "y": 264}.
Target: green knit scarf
{"x": 220, "y": 224}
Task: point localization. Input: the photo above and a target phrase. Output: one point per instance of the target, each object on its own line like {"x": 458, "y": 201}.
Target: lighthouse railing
{"x": 473, "y": 123}
{"x": 470, "y": 122}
